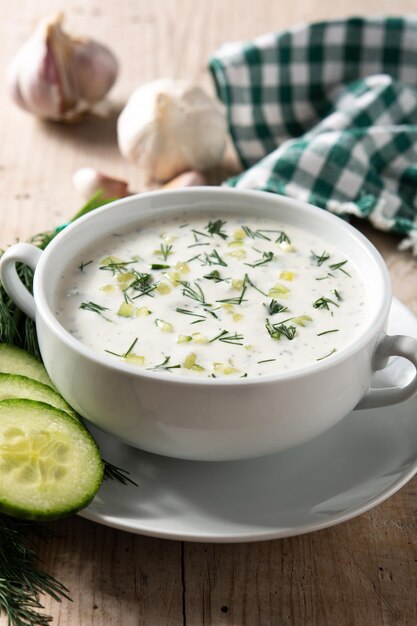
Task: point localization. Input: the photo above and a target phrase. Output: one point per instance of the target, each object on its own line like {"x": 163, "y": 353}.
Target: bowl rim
{"x": 373, "y": 327}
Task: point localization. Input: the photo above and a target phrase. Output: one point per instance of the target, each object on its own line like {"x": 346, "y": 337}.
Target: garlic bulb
{"x": 58, "y": 77}
{"x": 170, "y": 126}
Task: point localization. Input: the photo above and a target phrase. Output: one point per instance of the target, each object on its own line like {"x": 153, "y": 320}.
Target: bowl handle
{"x": 19, "y": 253}
{"x": 392, "y": 345}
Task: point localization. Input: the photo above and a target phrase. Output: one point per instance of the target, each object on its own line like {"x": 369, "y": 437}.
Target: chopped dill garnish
{"x": 187, "y": 312}
{"x": 266, "y": 361}
{"x": 246, "y": 279}
{"x": 235, "y": 300}
{"x": 183, "y": 225}
{"x": 211, "y": 311}
{"x": 226, "y": 338}
{"x": 195, "y": 294}
{"x": 165, "y": 250}
{"x": 266, "y": 258}
{"x": 116, "y": 266}
{"x": 254, "y": 233}
{"x": 319, "y": 259}
{"x": 128, "y": 351}
{"x": 245, "y": 375}
{"x": 215, "y": 275}
{"x": 112, "y": 472}
{"x": 164, "y": 365}
{"x": 83, "y": 265}
{"x": 197, "y": 256}
{"x": 142, "y": 283}
{"x": 198, "y": 232}
{"x": 326, "y": 355}
{"x": 276, "y": 331}
{"x": 326, "y": 332}
{"x": 213, "y": 259}
{"x": 337, "y": 295}
{"x": 92, "y": 306}
{"x": 215, "y": 228}
{"x": 339, "y": 266}
{"x": 275, "y": 307}
{"x": 194, "y": 245}
{"x": 283, "y": 238}
{"x": 323, "y": 303}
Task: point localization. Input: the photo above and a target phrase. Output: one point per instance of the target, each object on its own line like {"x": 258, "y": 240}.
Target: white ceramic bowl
{"x": 211, "y": 419}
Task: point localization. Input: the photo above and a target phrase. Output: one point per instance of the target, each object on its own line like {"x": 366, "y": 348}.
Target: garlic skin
{"x": 168, "y": 127}
{"x": 59, "y": 77}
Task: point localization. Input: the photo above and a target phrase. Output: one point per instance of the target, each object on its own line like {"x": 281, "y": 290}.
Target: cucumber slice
{"x": 15, "y": 386}
{"x": 18, "y": 361}
{"x": 50, "y": 465}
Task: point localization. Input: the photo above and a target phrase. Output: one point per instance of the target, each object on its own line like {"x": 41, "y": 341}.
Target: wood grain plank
{"x": 362, "y": 572}
{"x": 114, "y": 577}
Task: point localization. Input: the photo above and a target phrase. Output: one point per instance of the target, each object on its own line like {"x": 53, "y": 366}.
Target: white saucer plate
{"x": 356, "y": 465}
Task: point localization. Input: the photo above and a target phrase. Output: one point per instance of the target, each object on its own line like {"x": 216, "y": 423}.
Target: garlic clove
{"x": 187, "y": 179}
{"x": 58, "y": 77}
{"x": 168, "y": 127}
{"x": 89, "y": 60}
{"x": 89, "y": 181}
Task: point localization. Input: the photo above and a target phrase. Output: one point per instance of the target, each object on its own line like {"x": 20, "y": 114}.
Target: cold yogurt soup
{"x": 209, "y": 297}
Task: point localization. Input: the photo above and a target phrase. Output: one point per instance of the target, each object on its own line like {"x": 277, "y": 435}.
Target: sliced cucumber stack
{"x": 15, "y": 386}
{"x": 17, "y": 361}
{"x": 50, "y": 465}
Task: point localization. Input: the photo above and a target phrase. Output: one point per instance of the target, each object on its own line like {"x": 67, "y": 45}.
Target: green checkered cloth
{"x": 327, "y": 113}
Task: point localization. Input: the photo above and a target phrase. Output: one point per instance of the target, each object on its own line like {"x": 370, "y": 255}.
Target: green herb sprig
{"x": 276, "y": 331}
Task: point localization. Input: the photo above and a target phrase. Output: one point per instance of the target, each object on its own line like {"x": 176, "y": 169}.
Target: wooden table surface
{"x": 360, "y": 572}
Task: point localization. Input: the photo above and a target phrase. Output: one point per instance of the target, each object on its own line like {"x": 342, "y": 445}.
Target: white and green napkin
{"x": 327, "y": 113}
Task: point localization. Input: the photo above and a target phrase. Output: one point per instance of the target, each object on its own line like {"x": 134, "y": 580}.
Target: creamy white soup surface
{"x": 213, "y": 297}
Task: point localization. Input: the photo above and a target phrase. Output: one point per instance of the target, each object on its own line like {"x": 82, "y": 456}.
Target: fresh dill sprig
{"x": 198, "y": 232}
{"x": 143, "y": 283}
{"x": 235, "y": 300}
{"x": 165, "y": 251}
{"x": 326, "y": 332}
{"x": 83, "y": 265}
{"x": 340, "y": 266}
{"x": 247, "y": 280}
{"x": 266, "y": 258}
{"x": 93, "y": 307}
{"x": 112, "y": 472}
{"x": 226, "y": 338}
{"x": 319, "y": 259}
{"x": 275, "y": 307}
{"x": 164, "y": 365}
{"x": 215, "y": 276}
{"x": 254, "y": 233}
{"x": 196, "y": 293}
{"x": 326, "y": 355}
{"x": 283, "y": 238}
{"x": 21, "y": 579}
{"x": 323, "y": 303}
{"x": 187, "y": 312}
{"x": 215, "y": 228}
{"x": 116, "y": 267}
{"x": 213, "y": 258}
{"x": 128, "y": 351}
{"x": 276, "y": 331}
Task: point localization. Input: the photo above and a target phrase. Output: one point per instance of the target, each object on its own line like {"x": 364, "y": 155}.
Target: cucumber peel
{"x": 50, "y": 465}
{"x": 16, "y": 386}
{"x": 18, "y": 361}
